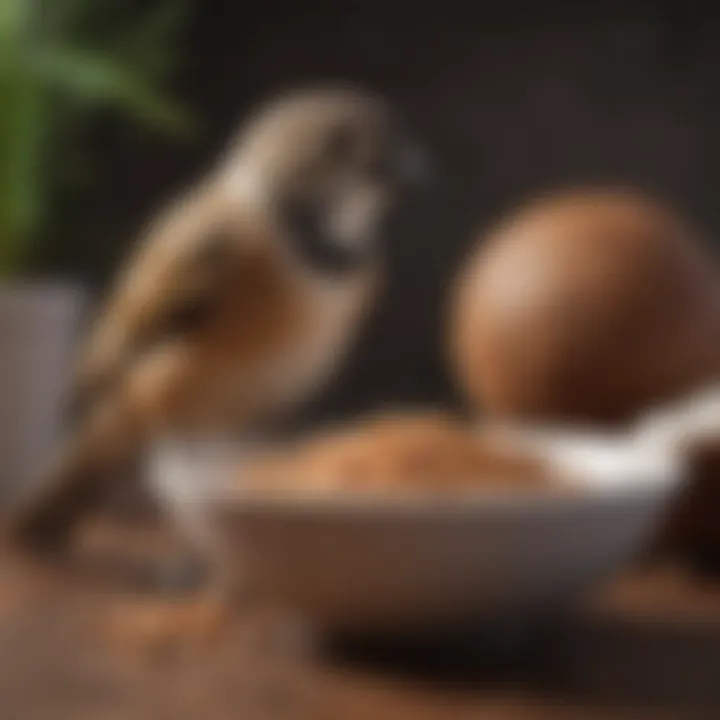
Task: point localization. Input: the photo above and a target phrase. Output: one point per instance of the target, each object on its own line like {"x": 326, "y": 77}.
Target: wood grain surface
{"x": 648, "y": 645}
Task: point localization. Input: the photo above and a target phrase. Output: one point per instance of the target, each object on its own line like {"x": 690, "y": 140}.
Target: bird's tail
{"x": 44, "y": 518}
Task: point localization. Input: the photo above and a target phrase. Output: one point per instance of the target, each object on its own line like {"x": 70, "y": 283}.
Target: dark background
{"x": 511, "y": 98}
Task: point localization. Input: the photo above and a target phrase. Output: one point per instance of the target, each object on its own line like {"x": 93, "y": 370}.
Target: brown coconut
{"x": 588, "y": 307}
{"x": 592, "y": 307}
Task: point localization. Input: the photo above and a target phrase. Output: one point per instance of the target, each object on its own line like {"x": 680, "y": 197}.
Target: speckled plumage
{"x": 221, "y": 317}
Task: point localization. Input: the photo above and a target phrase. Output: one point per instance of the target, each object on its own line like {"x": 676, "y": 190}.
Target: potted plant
{"x": 62, "y": 64}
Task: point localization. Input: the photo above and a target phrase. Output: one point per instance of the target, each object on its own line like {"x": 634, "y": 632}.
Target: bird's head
{"x": 332, "y": 164}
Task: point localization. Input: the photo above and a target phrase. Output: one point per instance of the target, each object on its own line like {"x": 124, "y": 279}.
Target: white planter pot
{"x": 38, "y": 325}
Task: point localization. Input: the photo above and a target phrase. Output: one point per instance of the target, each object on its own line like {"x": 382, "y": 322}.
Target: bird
{"x": 240, "y": 299}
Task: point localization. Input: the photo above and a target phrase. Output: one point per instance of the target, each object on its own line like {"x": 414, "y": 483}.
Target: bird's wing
{"x": 173, "y": 288}
{"x": 166, "y": 289}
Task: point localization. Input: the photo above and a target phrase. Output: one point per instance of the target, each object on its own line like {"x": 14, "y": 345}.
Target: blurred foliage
{"x": 62, "y": 63}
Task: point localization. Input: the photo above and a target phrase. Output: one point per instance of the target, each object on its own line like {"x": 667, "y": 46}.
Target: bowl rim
{"x": 651, "y": 475}
{"x": 457, "y": 503}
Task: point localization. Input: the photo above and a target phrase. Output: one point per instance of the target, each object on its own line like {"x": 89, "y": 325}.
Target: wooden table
{"x": 647, "y": 646}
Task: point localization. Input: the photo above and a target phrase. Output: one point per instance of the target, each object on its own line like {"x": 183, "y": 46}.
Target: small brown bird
{"x": 241, "y": 301}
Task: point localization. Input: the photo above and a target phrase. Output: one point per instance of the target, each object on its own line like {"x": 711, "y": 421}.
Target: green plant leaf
{"x": 99, "y": 80}
{"x": 149, "y": 42}
{"x": 65, "y": 18}
{"x": 60, "y": 62}
{"x": 16, "y": 18}
{"x": 22, "y": 189}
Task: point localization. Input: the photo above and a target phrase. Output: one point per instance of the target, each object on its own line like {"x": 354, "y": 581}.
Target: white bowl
{"x": 362, "y": 562}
